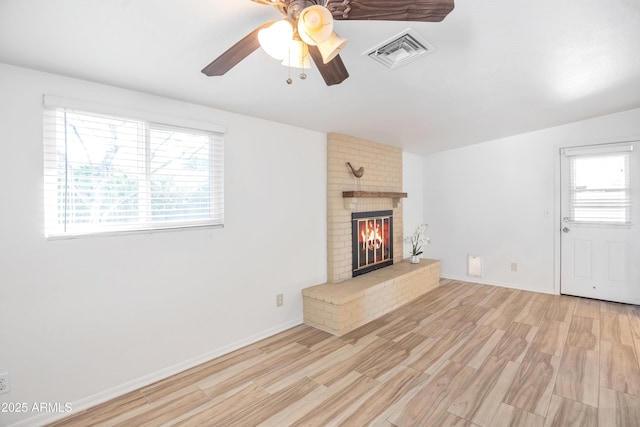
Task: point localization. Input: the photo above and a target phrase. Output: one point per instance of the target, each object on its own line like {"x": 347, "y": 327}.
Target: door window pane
{"x": 599, "y": 188}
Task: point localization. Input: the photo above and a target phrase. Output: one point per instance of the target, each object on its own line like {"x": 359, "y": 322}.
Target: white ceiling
{"x": 502, "y": 67}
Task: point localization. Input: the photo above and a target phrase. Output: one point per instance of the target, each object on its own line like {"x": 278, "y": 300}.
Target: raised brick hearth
{"x": 339, "y": 309}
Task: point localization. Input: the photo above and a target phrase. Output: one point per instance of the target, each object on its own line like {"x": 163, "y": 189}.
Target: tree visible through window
{"x": 105, "y": 173}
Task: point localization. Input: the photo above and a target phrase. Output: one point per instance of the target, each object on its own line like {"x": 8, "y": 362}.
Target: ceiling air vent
{"x": 400, "y": 50}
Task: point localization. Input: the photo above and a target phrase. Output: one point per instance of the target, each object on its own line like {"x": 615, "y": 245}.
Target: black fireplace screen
{"x": 371, "y": 240}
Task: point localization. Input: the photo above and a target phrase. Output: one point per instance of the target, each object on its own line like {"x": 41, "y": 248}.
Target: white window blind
{"x": 599, "y": 190}
{"x": 106, "y": 173}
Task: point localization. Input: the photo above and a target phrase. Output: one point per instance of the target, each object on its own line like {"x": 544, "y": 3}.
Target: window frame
{"x": 148, "y": 121}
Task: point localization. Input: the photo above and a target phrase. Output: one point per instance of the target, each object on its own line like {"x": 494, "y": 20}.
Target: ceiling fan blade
{"x": 334, "y": 72}
{"x": 235, "y": 53}
{"x": 391, "y": 10}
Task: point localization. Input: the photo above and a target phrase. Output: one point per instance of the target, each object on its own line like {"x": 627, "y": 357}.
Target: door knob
{"x": 566, "y": 229}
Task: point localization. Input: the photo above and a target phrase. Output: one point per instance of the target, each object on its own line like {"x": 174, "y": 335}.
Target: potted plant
{"x": 417, "y": 240}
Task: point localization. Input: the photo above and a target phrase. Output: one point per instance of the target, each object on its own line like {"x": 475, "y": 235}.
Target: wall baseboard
{"x": 146, "y": 380}
{"x": 496, "y": 283}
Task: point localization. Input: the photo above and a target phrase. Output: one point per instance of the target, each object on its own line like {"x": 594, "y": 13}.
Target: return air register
{"x": 474, "y": 266}
{"x": 400, "y": 50}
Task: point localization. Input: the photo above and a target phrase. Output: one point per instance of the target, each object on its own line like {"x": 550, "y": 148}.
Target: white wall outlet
{"x": 5, "y": 385}
{"x": 279, "y": 300}
{"x": 514, "y": 266}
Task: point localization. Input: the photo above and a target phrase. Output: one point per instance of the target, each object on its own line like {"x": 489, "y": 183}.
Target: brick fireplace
{"x": 346, "y": 302}
{"x": 382, "y": 174}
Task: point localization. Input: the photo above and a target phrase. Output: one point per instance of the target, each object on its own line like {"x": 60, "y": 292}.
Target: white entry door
{"x": 600, "y": 228}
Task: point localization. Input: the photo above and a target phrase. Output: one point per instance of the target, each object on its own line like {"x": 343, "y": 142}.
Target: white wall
{"x": 412, "y": 184}
{"x": 83, "y": 320}
{"x": 490, "y": 199}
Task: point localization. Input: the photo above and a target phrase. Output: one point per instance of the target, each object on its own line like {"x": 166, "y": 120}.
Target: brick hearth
{"x": 339, "y": 309}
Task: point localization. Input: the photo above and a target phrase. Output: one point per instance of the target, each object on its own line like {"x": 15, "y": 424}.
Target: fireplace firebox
{"x": 371, "y": 240}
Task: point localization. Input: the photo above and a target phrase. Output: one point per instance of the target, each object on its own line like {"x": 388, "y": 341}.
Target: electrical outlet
{"x": 514, "y": 266}
{"x": 279, "y": 300}
{"x": 5, "y": 385}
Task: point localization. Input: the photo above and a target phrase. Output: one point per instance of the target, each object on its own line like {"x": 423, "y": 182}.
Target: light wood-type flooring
{"x": 462, "y": 355}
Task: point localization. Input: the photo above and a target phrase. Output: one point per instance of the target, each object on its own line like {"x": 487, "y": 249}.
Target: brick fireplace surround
{"x": 382, "y": 172}
{"x": 345, "y": 303}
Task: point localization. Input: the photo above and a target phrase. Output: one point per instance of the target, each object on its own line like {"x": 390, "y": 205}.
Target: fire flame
{"x": 371, "y": 237}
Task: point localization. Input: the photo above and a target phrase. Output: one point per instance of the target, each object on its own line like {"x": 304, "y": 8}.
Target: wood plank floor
{"x": 462, "y": 355}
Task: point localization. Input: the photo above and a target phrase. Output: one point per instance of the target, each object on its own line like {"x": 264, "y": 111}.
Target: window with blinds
{"x": 599, "y": 188}
{"x": 106, "y": 173}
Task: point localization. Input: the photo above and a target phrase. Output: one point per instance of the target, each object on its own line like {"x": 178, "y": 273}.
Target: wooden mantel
{"x": 373, "y": 194}
{"x": 351, "y": 197}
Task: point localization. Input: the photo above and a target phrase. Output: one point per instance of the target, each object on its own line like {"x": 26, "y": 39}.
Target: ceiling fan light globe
{"x": 275, "y": 39}
{"x": 331, "y": 47}
{"x": 315, "y": 25}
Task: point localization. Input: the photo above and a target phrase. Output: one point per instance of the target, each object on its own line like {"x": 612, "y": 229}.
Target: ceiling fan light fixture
{"x": 332, "y": 47}
{"x": 315, "y": 25}
{"x": 275, "y": 39}
{"x": 298, "y": 55}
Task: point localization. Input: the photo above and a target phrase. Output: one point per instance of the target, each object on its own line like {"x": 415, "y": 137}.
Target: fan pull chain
{"x": 303, "y": 75}
{"x": 289, "y": 80}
